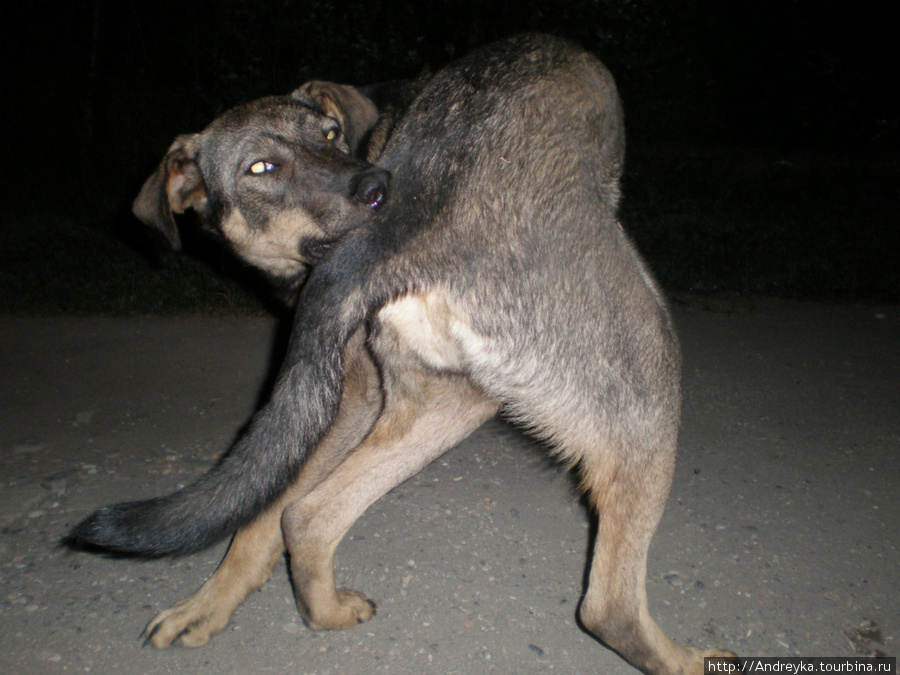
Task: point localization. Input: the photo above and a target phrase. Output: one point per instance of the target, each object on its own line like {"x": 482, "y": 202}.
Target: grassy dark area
{"x": 54, "y": 266}
{"x": 734, "y": 221}
{"x": 709, "y": 221}
{"x": 95, "y": 91}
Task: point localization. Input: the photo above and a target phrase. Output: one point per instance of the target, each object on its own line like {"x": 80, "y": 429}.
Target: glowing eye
{"x": 331, "y": 134}
{"x": 262, "y": 167}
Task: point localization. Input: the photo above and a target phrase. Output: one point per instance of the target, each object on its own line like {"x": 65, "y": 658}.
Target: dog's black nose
{"x": 370, "y": 187}
{"x": 314, "y": 250}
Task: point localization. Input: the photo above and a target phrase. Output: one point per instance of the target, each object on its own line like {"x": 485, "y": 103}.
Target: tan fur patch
{"x": 276, "y": 249}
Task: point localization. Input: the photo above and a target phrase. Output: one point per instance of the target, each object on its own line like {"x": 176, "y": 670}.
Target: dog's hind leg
{"x": 628, "y": 486}
{"x": 425, "y": 416}
{"x": 256, "y": 548}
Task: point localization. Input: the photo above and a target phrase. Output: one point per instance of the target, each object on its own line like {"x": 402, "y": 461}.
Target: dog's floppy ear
{"x": 176, "y": 186}
{"x": 355, "y": 112}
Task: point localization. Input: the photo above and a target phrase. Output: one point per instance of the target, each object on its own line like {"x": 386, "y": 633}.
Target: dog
{"x": 342, "y": 127}
{"x": 476, "y": 267}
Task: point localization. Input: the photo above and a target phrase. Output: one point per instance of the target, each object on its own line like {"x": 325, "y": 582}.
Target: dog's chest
{"x": 426, "y": 327}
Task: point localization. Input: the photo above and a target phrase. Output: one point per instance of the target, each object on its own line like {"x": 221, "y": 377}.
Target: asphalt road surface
{"x": 781, "y": 534}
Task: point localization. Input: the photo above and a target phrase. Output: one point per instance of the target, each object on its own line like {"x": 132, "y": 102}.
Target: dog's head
{"x": 278, "y": 178}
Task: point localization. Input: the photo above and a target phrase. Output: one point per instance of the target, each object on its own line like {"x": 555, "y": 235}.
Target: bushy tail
{"x": 265, "y": 461}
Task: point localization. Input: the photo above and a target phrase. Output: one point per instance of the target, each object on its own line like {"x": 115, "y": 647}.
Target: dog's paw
{"x": 716, "y": 661}
{"x": 188, "y": 623}
{"x": 352, "y": 608}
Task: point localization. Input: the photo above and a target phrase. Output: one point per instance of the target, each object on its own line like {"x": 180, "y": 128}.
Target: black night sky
{"x": 763, "y": 136}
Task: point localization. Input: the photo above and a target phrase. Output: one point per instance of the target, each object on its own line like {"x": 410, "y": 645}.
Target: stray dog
{"x": 323, "y": 131}
{"x": 478, "y": 267}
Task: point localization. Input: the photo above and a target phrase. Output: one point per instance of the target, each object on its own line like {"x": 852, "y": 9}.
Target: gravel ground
{"x": 780, "y": 538}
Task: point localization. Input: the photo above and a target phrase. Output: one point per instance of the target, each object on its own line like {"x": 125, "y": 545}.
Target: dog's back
{"x": 511, "y": 162}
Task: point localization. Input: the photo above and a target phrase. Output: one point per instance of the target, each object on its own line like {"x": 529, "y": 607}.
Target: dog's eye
{"x": 331, "y": 134}
{"x": 262, "y": 167}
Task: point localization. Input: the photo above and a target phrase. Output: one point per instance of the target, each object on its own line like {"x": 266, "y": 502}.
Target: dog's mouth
{"x": 315, "y": 249}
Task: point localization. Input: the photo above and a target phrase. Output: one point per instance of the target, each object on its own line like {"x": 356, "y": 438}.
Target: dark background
{"x": 764, "y": 139}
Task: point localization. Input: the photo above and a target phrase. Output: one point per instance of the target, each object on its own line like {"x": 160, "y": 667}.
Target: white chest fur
{"x": 426, "y": 327}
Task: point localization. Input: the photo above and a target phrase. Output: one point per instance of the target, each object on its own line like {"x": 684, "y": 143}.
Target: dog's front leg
{"x": 252, "y": 555}
{"x": 256, "y": 548}
{"x": 425, "y": 416}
